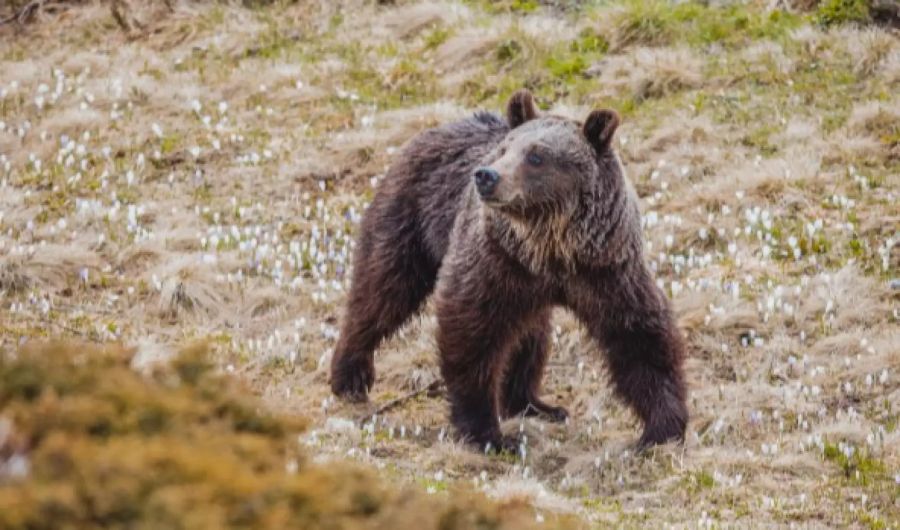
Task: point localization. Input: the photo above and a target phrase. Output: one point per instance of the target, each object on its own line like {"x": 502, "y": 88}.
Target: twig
{"x": 84, "y": 309}
{"x": 22, "y": 15}
{"x": 431, "y": 389}
{"x": 66, "y": 327}
{"x": 249, "y": 365}
{"x": 119, "y": 10}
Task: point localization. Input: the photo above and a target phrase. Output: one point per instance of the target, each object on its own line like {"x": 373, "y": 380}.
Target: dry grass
{"x": 203, "y": 177}
{"x": 652, "y": 72}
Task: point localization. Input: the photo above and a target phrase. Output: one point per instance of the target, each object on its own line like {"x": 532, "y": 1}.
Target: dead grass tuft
{"x": 870, "y": 48}
{"x": 464, "y": 49}
{"x": 187, "y": 293}
{"x": 843, "y": 300}
{"x": 13, "y": 279}
{"x": 875, "y": 118}
{"x": 412, "y": 19}
{"x": 651, "y": 72}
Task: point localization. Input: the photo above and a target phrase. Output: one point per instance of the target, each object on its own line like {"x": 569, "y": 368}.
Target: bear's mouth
{"x": 493, "y": 202}
{"x": 499, "y": 204}
{"x": 513, "y": 207}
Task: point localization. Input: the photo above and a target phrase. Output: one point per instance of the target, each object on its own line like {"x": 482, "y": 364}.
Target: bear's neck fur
{"x": 598, "y": 229}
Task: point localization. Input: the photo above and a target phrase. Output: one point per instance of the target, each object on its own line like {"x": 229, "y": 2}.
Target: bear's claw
{"x": 503, "y": 444}
{"x": 657, "y": 436}
{"x": 353, "y": 384}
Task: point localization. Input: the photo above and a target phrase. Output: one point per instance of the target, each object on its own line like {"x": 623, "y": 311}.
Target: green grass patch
{"x": 437, "y": 36}
{"x": 509, "y": 6}
{"x": 566, "y": 67}
{"x": 758, "y": 139}
{"x": 659, "y": 23}
{"x": 832, "y": 12}
{"x": 551, "y": 71}
{"x": 697, "y": 481}
{"x": 860, "y": 467}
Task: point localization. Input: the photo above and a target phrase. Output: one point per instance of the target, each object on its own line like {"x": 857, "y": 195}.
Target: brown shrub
{"x": 86, "y": 442}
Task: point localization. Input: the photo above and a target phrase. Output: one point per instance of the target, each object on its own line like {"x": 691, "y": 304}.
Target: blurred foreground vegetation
{"x": 87, "y": 442}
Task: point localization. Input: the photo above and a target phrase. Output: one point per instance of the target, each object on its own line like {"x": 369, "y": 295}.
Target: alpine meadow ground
{"x": 174, "y": 172}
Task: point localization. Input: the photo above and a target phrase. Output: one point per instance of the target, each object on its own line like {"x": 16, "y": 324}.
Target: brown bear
{"x": 507, "y": 219}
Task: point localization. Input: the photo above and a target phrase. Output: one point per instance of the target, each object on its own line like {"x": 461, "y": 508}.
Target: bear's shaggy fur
{"x": 557, "y": 225}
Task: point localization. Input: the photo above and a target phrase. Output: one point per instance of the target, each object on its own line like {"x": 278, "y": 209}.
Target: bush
{"x": 86, "y": 442}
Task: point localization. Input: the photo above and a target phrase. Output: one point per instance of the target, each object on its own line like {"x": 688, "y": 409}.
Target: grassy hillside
{"x": 198, "y": 172}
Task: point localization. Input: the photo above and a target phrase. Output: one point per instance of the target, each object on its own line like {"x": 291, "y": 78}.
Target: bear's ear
{"x": 520, "y": 108}
{"x": 599, "y": 128}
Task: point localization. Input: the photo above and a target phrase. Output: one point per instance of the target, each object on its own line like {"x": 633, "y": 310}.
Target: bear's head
{"x": 545, "y": 162}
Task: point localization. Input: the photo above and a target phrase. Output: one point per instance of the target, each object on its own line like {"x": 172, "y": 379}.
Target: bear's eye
{"x": 502, "y": 151}
{"x": 535, "y": 159}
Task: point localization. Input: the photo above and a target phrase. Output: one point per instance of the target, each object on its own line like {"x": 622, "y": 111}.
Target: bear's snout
{"x": 486, "y": 180}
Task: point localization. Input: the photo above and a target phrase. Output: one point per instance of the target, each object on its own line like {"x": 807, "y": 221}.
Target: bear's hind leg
{"x": 392, "y": 276}
{"x": 522, "y": 381}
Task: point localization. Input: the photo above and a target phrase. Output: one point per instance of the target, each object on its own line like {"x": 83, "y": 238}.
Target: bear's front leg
{"x": 480, "y": 318}
{"x": 630, "y": 318}
{"x": 645, "y": 362}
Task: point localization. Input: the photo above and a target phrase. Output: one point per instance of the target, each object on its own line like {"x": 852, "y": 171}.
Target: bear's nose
{"x": 486, "y": 180}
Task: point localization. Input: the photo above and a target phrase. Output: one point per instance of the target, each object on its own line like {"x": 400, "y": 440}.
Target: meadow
{"x": 177, "y": 173}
